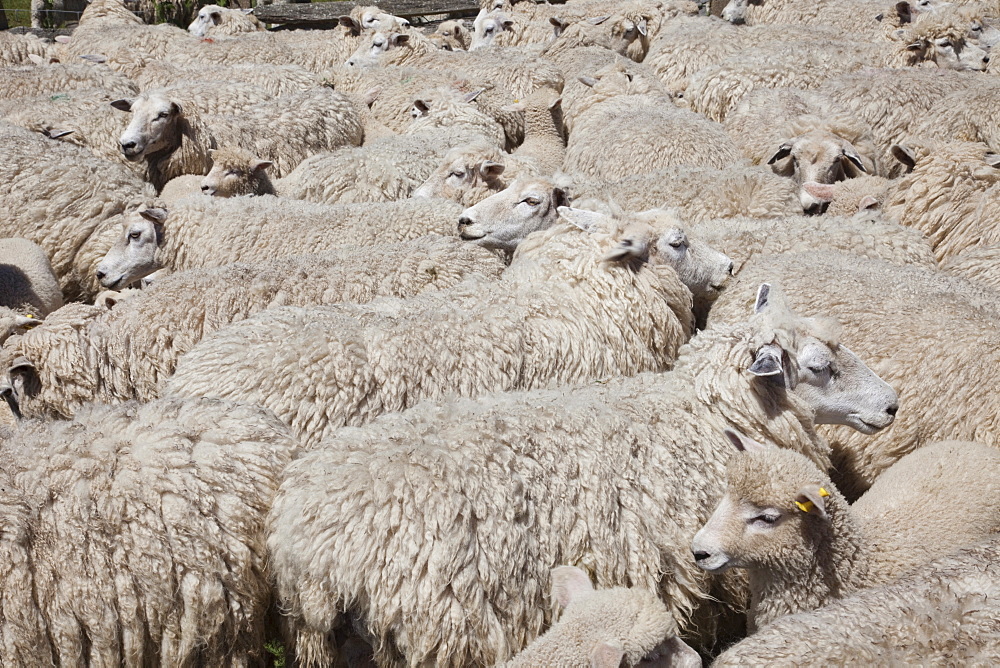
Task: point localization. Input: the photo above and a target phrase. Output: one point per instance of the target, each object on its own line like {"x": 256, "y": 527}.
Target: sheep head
{"x": 236, "y": 172}
{"x": 156, "y": 125}
{"x": 467, "y": 175}
{"x": 819, "y": 156}
{"x": 134, "y": 255}
{"x": 503, "y": 220}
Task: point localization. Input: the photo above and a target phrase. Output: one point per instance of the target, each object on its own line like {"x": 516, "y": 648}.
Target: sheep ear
{"x": 349, "y": 22}
{"x": 607, "y": 654}
{"x": 558, "y": 25}
{"x": 915, "y": 46}
{"x": 742, "y": 442}
{"x": 22, "y": 365}
{"x": 397, "y": 39}
{"x": 767, "y": 361}
{"x": 763, "y": 294}
{"x": 867, "y": 202}
{"x": 993, "y": 160}
{"x": 569, "y": 583}
{"x": 903, "y": 12}
{"x": 641, "y": 27}
{"x": 588, "y": 221}
{"x": 95, "y": 58}
{"x": 491, "y": 169}
{"x": 507, "y": 24}
{"x": 783, "y": 152}
{"x": 626, "y": 249}
{"x": 674, "y": 653}
{"x": 810, "y": 499}
{"x": 469, "y": 97}
{"x": 36, "y": 59}
{"x": 556, "y": 103}
{"x": 821, "y": 191}
{"x": 559, "y": 197}
{"x": 155, "y": 215}
{"x": 597, "y": 20}
{"x": 56, "y": 134}
{"x": 123, "y": 104}
{"x": 27, "y": 321}
{"x": 421, "y": 106}
{"x": 590, "y": 82}
{"x": 905, "y": 155}
{"x": 853, "y": 158}
{"x": 260, "y": 165}
{"x": 216, "y": 17}
{"x": 62, "y": 39}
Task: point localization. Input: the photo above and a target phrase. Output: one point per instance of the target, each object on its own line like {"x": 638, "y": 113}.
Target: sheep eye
{"x": 457, "y": 174}
{"x": 945, "y": 44}
{"x": 764, "y": 520}
{"x": 531, "y": 201}
{"x": 676, "y": 243}
{"x": 133, "y": 235}
{"x": 162, "y": 114}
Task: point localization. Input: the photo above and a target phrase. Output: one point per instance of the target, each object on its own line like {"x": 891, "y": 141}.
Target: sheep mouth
{"x": 470, "y": 236}
{"x": 114, "y": 285}
{"x": 857, "y": 422}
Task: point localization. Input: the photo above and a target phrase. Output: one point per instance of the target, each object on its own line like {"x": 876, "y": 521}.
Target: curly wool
{"x": 955, "y": 323}
{"x": 27, "y": 282}
{"x": 39, "y": 80}
{"x": 967, "y": 116}
{"x": 134, "y": 534}
{"x": 980, "y": 265}
{"x": 480, "y": 497}
{"x": 945, "y": 613}
{"x": 15, "y": 49}
{"x": 701, "y": 193}
{"x": 558, "y": 315}
{"x": 58, "y": 196}
{"x": 95, "y": 354}
{"x": 272, "y": 80}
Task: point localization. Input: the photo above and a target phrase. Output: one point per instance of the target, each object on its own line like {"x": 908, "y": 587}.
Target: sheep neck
{"x": 838, "y": 567}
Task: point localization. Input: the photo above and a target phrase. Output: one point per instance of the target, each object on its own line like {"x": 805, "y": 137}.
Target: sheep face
{"x": 736, "y": 11}
{"x": 983, "y": 34}
{"x": 817, "y": 157}
{"x": 463, "y": 176}
{"x": 773, "y": 517}
{"x": 134, "y": 255}
{"x": 947, "y": 52}
{"x": 228, "y": 180}
{"x": 486, "y": 27}
{"x": 503, "y": 220}
{"x": 154, "y": 127}
{"x": 838, "y": 386}
{"x": 371, "y": 50}
{"x": 452, "y": 35}
{"x": 700, "y": 267}
{"x": 208, "y": 16}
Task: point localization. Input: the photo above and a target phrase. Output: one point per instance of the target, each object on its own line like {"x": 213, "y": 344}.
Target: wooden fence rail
{"x": 326, "y": 13}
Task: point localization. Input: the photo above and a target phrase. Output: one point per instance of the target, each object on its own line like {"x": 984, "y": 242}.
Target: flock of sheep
{"x": 522, "y": 343}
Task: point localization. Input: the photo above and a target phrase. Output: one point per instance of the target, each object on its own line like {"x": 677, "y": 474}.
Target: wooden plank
{"x": 327, "y": 13}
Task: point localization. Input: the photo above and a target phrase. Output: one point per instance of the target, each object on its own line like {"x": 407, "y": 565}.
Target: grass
{"x": 21, "y": 16}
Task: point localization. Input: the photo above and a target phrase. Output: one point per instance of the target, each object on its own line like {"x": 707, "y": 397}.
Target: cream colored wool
{"x": 892, "y": 101}
{"x": 180, "y": 187}
{"x": 447, "y": 109}
{"x": 27, "y": 282}
{"x": 216, "y": 21}
{"x": 273, "y": 80}
{"x": 39, "y": 80}
{"x": 700, "y": 193}
{"x": 57, "y": 196}
{"x": 15, "y": 49}
{"x": 469, "y": 174}
{"x": 861, "y": 193}
{"x": 948, "y": 25}
{"x": 944, "y": 194}
{"x": 134, "y": 534}
{"x": 211, "y": 231}
{"x": 943, "y": 614}
{"x": 93, "y": 354}
{"x": 475, "y": 500}
{"x": 543, "y": 150}
{"x": 863, "y": 235}
{"x": 558, "y": 315}
{"x": 452, "y": 35}
{"x": 616, "y": 78}
{"x": 632, "y": 621}
{"x": 980, "y": 265}
{"x": 955, "y": 327}
{"x": 864, "y": 18}
{"x": 808, "y": 559}
{"x": 236, "y": 171}
{"x": 100, "y": 37}
{"x": 967, "y": 115}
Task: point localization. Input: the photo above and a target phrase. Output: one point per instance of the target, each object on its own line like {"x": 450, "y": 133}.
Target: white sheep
{"x": 942, "y": 614}
{"x": 803, "y": 545}
{"x": 980, "y": 264}
{"x": 236, "y": 171}
{"x": 27, "y": 282}
{"x": 516, "y": 475}
{"x": 16, "y": 49}
{"x": 846, "y": 198}
{"x": 603, "y": 627}
{"x": 211, "y": 231}
{"x": 452, "y": 35}
{"x": 629, "y": 134}
{"x": 216, "y": 20}
{"x": 37, "y": 80}
{"x": 929, "y": 324}
{"x": 97, "y": 354}
{"x": 963, "y": 116}
{"x": 273, "y": 80}
{"x": 468, "y": 174}
{"x": 502, "y": 220}
{"x": 698, "y": 193}
{"x": 561, "y": 313}
{"x": 58, "y": 196}
{"x": 945, "y": 195}
{"x": 134, "y": 534}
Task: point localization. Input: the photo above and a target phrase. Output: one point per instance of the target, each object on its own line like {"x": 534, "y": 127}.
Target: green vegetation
{"x": 276, "y": 649}
{"x": 18, "y": 12}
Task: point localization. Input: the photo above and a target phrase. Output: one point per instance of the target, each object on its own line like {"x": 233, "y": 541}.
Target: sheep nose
{"x": 205, "y": 189}
{"x": 730, "y": 270}
{"x": 128, "y": 144}
{"x": 464, "y": 221}
{"x": 701, "y": 556}
{"x": 101, "y": 275}
{"x": 891, "y": 410}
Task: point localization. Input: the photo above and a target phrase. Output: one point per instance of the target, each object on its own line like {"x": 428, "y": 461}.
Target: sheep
{"x": 177, "y": 188}
{"x": 953, "y": 321}
{"x": 698, "y": 193}
{"x": 862, "y": 17}
{"x": 963, "y": 116}
{"x": 846, "y": 198}
{"x": 452, "y": 35}
{"x": 942, "y": 196}
{"x": 943, "y": 614}
{"x": 134, "y": 534}
{"x": 375, "y": 359}
{"x": 95, "y": 354}
{"x": 977, "y": 264}
{"x": 602, "y": 627}
{"x": 631, "y": 134}
{"x": 58, "y": 196}
{"x": 216, "y": 20}
{"x": 527, "y": 463}
{"x": 624, "y": 31}
{"x": 27, "y": 282}
{"x": 16, "y": 49}
{"x": 467, "y": 174}
{"x": 501, "y": 221}
{"x": 272, "y": 80}
{"x": 447, "y": 109}
{"x": 236, "y": 171}
{"x": 890, "y": 101}
{"x": 543, "y": 147}
{"x": 35, "y": 81}
{"x": 941, "y": 38}
{"x": 211, "y": 231}
{"x": 784, "y": 521}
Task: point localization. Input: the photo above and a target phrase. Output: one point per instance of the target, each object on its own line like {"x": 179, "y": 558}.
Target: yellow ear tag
{"x": 808, "y": 505}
